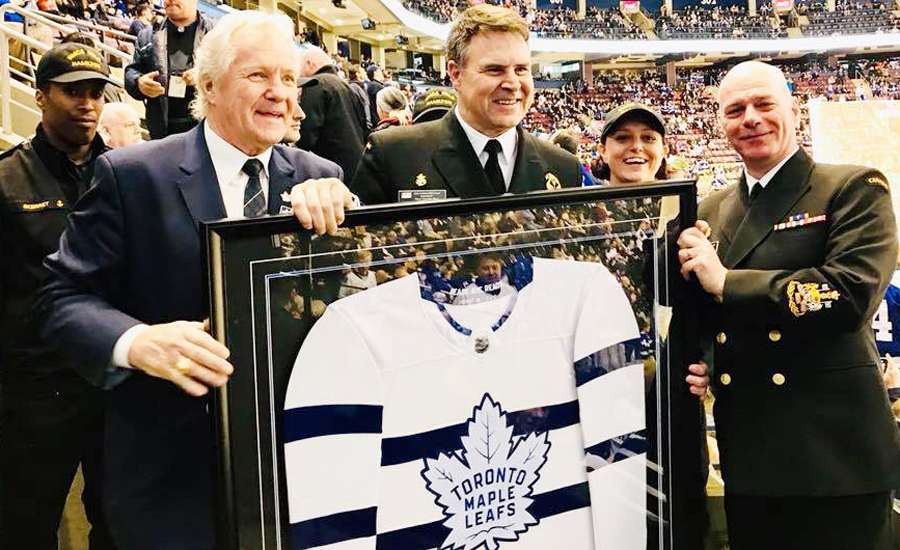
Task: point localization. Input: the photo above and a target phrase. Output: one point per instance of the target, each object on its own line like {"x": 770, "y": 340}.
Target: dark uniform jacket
{"x": 800, "y": 405}
{"x": 151, "y": 53}
{"x": 39, "y": 186}
{"x": 335, "y": 123}
{"x": 438, "y": 155}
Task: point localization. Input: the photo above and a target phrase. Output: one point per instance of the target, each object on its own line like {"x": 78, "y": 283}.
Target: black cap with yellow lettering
{"x": 71, "y": 62}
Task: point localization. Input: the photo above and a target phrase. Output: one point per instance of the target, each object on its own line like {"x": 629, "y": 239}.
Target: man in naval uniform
{"x": 477, "y": 149}
{"x": 795, "y": 259}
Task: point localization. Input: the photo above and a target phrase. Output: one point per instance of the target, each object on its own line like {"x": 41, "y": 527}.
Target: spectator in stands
{"x": 375, "y": 84}
{"x": 292, "y": 135}
{"x": 392, "y": 111}
{"x": 476, "y": 149}
{"x": 135, "y": 234}
{"x": 632, "y": 145}
{"x": 570, "y": 141}
{"x": 801, "y": 465}
{"x": 357, "y": 78}
{"x": 143, "y": 19}
{"x": 119, "y": 125}
{"x": 52, "y": 418}
{"x": 335, "y": 123}
{"x": 161, "y": 73}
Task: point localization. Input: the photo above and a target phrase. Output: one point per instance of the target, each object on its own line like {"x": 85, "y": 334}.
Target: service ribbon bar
{"x": 799, "y": 221}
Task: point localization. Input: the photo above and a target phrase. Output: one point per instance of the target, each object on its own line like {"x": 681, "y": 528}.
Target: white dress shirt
{"x": 509, "y": 141}
{"x": 767, "y": 177}
{"x": 228, "y": 162}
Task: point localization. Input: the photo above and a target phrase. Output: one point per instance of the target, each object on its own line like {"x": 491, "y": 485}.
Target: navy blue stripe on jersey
{"x": 601, "y": 362}
{"x": 621, "y": 447}
{"x": 334, "y": 528}
{"x": 559, "y": 501}
{"x": 431, "y": 535}
{"x": 321, "y": 420}
{"x": 399, "y": 450}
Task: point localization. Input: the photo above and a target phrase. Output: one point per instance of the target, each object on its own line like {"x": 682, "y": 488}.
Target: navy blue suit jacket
{"x": 132, "y": 254}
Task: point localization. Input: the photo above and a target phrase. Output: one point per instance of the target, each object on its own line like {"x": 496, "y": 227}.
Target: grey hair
{"x": 217, "y": 51}
{"x": 390, "y": 99}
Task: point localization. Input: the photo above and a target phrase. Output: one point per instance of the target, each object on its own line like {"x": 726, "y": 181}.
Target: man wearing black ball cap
{"x": 51, "y": 418}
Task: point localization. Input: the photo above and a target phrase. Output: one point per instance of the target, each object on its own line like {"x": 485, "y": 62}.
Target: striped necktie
{"x": 254, "y": 200}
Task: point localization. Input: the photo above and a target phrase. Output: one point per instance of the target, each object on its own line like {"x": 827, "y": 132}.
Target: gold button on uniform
{"x": 721, "y": 338}
{"x": 774, "y": 336}
{"x": 725, "y": 379}
{"x": 778, "y": 379}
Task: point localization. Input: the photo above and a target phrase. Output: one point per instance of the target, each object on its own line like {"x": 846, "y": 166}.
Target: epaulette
{"x": 11, "y": 150}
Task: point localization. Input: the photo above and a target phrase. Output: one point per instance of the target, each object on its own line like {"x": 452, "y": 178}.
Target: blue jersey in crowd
{"x": 886, "y": 322}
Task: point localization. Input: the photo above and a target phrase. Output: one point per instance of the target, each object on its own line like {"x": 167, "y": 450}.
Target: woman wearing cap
{"x": 632, "y": 145}
{"x": 391, "y": 106}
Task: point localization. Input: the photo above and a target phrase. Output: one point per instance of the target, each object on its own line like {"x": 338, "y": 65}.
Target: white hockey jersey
{"x": 416, "y": 425}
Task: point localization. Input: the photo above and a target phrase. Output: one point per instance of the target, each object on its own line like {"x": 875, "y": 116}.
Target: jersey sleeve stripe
{"x": 321, "y": 420}
{"x": 601, "y": 362}
{"x": 334, "y": 528}
{"x": 399, "y": 450}
{"x": 621, "y": 447}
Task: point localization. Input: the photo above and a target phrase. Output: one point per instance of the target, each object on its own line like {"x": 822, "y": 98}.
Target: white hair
{"x": 217, "y": 50}
{"x": 116, "y": 111}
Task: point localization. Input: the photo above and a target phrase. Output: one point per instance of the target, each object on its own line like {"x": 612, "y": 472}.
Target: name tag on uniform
{"x": 416, "y": 195}
{"x": 177, "y": 87}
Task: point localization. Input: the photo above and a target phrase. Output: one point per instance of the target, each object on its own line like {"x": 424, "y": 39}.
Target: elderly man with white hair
{"x": 335, "y": 124}
{"x": 119, "y": 125}
{"x": 124, "y": 294}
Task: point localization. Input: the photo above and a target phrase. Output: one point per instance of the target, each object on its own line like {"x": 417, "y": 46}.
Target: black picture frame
{"x": 244, "y": 256}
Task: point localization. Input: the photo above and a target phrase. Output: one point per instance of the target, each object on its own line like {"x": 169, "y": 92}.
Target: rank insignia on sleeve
{"x": 285, "y": 197}
{"x": 799, "y": 220}
{"x": 552, "y": 181}
{"x": 879, "y": 181}
{"x": 421, "y": 181}
{"x": 807, "y": 297}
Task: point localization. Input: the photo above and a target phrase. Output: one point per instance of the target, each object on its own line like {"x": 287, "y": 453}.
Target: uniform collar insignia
{"x": 285, "y": 197}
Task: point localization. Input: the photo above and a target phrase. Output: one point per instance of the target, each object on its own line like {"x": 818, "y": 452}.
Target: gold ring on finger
{"x": 183, "y": 365}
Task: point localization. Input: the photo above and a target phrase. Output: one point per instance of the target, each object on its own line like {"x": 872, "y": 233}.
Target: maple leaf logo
{"x": 485, "y": 489}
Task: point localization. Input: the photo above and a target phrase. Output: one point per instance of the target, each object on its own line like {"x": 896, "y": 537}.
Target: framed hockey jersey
{"x": 500, "y": 373}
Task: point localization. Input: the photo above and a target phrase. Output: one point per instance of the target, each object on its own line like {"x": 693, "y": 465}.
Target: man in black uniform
{"x": 162, "y": 71}
{"x": 51, "y": 418}
{"x": 335, "y": 123}
{"x": 476, "y": 149}
{"x": 798, "y": 258}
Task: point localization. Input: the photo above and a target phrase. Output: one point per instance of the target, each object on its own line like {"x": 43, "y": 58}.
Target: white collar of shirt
{"x": 509, "y": 141}
{"x": 767, "y": 177}
{"x": 228, "y": 161}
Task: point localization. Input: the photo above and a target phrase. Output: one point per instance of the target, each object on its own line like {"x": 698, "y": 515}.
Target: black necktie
{"x": 492, "y": 167}
{"x": 757, "y": 189}
{"x": 254, "y": 201}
